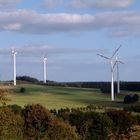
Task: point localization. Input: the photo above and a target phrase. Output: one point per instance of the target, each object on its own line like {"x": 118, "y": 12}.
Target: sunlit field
{"x": 61, "y": 97}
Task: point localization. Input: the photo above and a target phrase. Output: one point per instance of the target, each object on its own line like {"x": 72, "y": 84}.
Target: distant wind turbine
{"x": 112, "y": 64}
{"x": 118, "y": 80}
{"x": 45, "y": 69}
{"x": 14, "y": 53}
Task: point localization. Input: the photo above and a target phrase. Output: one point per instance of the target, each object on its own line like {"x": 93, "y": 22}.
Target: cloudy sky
{"x": 70, "y": 33}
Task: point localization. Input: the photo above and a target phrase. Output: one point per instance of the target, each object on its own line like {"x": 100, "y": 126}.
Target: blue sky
{"x": 70, "y": 33}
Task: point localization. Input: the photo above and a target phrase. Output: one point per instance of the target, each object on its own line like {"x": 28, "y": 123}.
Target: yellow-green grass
{"x": 61, "y": 97}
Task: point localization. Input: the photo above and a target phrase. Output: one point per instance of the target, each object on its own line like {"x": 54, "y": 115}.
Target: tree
{"x": 3, "y": 96}
{"x": 37, "y": 119}
{"x": 90, "y": 125}
{"x": 131, "y": 98}
{"x": 11, "y": 125}
{"x": 27, "y": 79}
{"x": 59, "y": 130}
{"x": 122, "y": 121}
{"x": 22, "y": 90}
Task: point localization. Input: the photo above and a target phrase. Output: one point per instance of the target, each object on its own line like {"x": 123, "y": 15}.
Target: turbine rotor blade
{"x": 116, "y": 51}
{"x": 115, "y": 64}
{"x": 103, "y": 56}
{"x": 120, "y": 61}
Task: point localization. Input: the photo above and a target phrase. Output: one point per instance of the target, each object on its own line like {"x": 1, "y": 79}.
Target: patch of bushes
{"x": 27, "y": 79}
{"x": 134, "y": 108}
{"x": 3, "y": 96}
{"x": 138, "y": 119}
{"x": 90, "y": 125}
{"x": 40, "y": 124}
{"x": 22, "y": 90}
{"x": 11, "y": 125}
{"x": 135, "y": 97}
{"x": 122, "y": 121}
{"x": 90, "y": 107}
{"x": 131, "y": 98}
{"x": 37, "y": 120}
{"x": 59, "y": 130}
{"x": 15, "y": 108}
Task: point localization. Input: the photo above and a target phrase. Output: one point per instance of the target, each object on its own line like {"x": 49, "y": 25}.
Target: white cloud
{"x": 38, "y": 50}
{"x": 43, "y": 49}
{"x": 120, "y": 23}
{"x": 15, "y": 26}
{"x": 4, "y": 3}
{"x": 31, "y": 22}
{"x": 101, "y": 3}
{"x": 88, "y": 3}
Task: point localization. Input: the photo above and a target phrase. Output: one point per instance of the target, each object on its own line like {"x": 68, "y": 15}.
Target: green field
{"x": 61, "y": 97}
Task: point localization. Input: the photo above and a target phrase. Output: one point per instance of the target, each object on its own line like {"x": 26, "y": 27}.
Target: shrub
{"x": 134, "y": 108}
{"x": 138, "y": 119}
{"x": 27, "y": 79}
{"x": 3, "y": 96}
{"x": 122, "y": 121}
{"x": 135, "y": 133}
{"x": 135, "y": 98}
{"x": 15, "y": 108}
{"x": 59, "y": 130}
{"x": 100, "y": 126}
{"x": 22, "y": 90}
{"x": 90, "y": 125}
{"x": 131, "y": 98}
{"x": 11, "y": 125}
{"x": 128, "y": 99}
{"x": 91, "y": 107}
{"x": 37, "y": 119}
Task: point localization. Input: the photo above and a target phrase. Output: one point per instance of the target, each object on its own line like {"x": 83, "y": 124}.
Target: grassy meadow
{"x": 61, "y": 97}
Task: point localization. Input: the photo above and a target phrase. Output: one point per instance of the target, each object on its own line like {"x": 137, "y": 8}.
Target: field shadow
{"x": 107, "y": 103}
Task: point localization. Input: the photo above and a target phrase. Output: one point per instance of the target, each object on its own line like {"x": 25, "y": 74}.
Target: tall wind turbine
{"x": 14, "y": 53}
{"x": 112, "y": 64}
{"x": 45, "y": 69}
{"x": 118, "y": 80}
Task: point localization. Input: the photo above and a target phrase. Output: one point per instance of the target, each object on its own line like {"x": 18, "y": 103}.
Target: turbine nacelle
{"x": 13, "y": 51}
{"x": 44, "y": 59}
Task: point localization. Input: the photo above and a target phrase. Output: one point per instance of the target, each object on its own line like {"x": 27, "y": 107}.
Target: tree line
{"x": 103, "y": 86}
{"x": 35, "y": 122}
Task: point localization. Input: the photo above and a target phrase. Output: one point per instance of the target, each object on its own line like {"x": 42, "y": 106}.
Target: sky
{"x": 70, "y": 33}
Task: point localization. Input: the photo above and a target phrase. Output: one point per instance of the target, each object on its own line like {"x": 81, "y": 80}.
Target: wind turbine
{"x": 118, "y": 80}
{"x": 45, "y": 65}
{"x": 14, "y": 53}
{"x": 112, "y": 65}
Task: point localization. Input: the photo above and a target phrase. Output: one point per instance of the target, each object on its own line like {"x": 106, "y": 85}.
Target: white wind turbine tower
{"x": 14, "y": 63}
{"x": 45, "y": 69}
{"x": 118, "y": 80}
{"x": 112, "y": 63}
